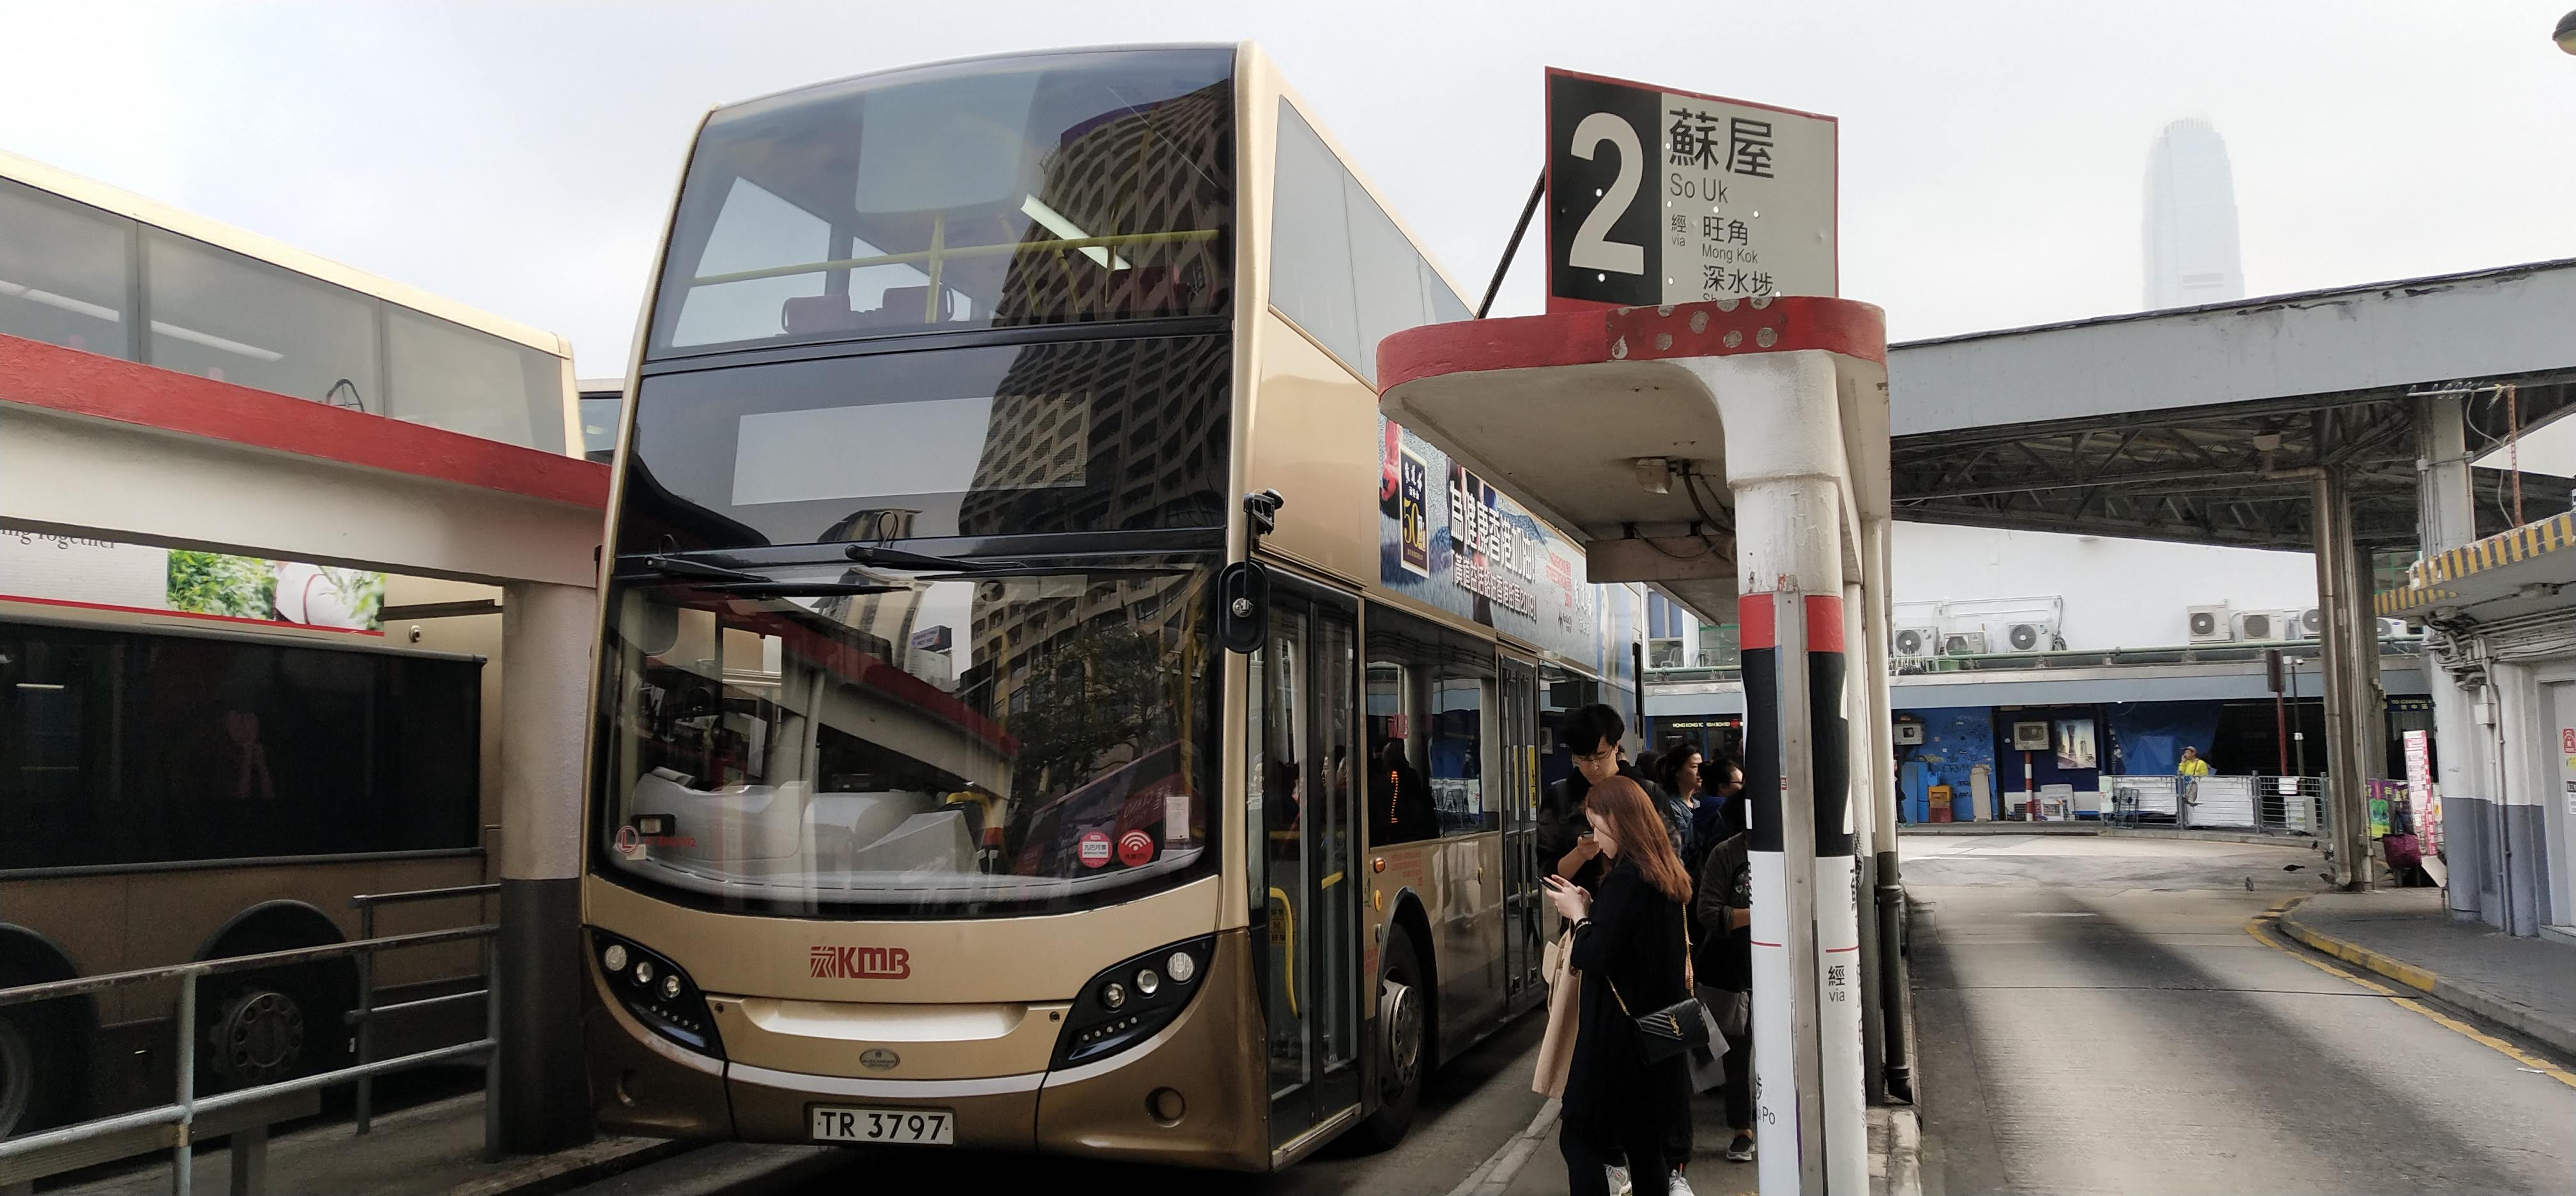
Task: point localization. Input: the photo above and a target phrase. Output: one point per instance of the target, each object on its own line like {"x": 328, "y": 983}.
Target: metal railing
{"x": 183, "y": 1113}
{"x": 2272, "y": 805}
{"x": 364, "y": 1016}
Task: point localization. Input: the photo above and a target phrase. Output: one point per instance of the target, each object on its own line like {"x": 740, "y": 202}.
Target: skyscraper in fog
{"x": 2191, "y": 219}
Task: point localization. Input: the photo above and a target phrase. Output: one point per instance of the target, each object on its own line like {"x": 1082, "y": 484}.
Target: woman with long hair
{"x": 1629, "y": 946}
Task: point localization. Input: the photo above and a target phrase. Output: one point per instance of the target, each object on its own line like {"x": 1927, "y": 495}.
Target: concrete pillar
{"x": 2348, "y": 652}
{"x": 2526, "y": 737}
{"x": 546, "y": 633}
{"x": 2446, "y": 518}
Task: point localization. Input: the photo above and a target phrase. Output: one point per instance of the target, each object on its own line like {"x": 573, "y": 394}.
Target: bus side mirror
{"x": 1243, "y": 606}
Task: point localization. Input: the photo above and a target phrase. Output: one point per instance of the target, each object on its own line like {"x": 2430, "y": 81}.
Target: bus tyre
{"x": 36, "y": 1052}
{"x": 1404, "y": 1023}
{"x": 271, "y": 1026}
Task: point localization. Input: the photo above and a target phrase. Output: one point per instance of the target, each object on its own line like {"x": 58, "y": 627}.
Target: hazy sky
{"x": 520, "y": 157}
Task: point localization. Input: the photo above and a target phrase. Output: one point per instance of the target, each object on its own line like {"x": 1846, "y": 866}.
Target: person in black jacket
{"x": 1630, "y": 947}
{"x": 1723, "y": 960}
{"x": 1591, "y": 735}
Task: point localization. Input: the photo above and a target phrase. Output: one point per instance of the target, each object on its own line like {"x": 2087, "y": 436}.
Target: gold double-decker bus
{"x": 1042, "y": 705}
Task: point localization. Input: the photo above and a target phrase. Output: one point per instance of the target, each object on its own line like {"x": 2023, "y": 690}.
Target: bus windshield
{"x": 1062, "y": 188}
{"x": 887, "y": 741}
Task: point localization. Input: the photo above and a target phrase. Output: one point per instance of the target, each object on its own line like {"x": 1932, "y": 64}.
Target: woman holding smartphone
{"x": 1629, "y": 946}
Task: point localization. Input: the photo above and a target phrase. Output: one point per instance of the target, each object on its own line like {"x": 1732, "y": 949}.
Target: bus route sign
{"x": 1657, "y": 196}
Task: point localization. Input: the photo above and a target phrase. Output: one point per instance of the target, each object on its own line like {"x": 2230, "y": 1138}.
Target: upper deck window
{"x": 67, "y": 277}
{"x": 1339, "y": 266}
{"x": 1053, "y": 189}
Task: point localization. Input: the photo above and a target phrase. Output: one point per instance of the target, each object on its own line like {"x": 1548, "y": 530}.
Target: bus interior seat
{"x": 726, "y": 826}
{"x": 936, "y": 841}
{"x": 901, "y": 307}
{"x": 1144, "y": 291}
{"x": 904, "y": 305}
{"x": 807, "y": 315}
{"x": 891, "y": 831}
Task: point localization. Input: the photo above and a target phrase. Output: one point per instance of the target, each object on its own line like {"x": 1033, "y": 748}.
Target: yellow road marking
{"x": 2528, "y": 1060}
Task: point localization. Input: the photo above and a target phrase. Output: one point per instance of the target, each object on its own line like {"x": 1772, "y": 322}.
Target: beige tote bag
{"x": 1564, "y": 1002}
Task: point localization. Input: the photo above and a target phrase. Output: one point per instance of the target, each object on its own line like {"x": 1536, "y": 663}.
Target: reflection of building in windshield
{"x": 1159, "y": 167}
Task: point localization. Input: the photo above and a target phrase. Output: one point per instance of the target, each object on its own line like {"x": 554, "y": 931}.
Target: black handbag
{"x": 1675, "y": 1028}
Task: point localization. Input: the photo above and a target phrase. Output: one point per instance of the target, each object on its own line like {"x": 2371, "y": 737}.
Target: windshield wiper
{"x": 805, "y": 589}
{"x": 901, "y": 558}
{"x": 673, "y": 566}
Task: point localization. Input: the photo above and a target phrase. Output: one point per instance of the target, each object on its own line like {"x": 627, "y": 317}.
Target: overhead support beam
{"x": 1660, "y": 558}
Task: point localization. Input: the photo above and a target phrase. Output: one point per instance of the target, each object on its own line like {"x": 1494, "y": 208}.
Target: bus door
{"x": 1305, "y": 775}
{"x": 1523, "y": 905}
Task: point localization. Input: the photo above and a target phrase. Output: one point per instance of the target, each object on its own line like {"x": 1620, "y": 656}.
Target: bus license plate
{"x": 928, "y": 1127}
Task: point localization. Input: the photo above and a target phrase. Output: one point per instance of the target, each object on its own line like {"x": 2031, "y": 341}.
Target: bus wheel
{"x": 257, "y": 1035}
{"x": 35, "y": 1047}
{"x": 1403, "y": 1023}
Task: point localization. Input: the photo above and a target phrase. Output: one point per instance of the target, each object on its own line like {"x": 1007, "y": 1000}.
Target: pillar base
{"x": 545, "y": 1093}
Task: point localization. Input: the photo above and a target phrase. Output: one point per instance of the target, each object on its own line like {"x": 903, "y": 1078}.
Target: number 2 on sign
{"x": 1593, "y": 249}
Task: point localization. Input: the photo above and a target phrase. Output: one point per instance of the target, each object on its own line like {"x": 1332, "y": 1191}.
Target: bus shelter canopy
{"x": 1596, "y": 421}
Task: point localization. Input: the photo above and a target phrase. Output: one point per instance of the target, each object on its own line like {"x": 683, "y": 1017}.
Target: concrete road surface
{"x": 1470, "y": 1109}
{"x": 2095, "y": 1017}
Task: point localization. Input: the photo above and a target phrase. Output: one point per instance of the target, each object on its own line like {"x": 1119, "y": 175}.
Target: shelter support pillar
{"x": 1894, "y": 986}
{"x": 2356, "y": 735}
{"x": 2447, "y": 518}
{"x": 546, "y": 633}
{"x": 1792, "y": 532}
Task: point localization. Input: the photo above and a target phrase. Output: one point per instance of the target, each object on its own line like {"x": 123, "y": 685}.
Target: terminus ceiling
{"x": 2147, "y": 425}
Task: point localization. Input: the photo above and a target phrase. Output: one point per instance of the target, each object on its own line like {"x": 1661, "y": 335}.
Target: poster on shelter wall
{"x": 104, "y": 574}
{"x": 2075, "y": 744}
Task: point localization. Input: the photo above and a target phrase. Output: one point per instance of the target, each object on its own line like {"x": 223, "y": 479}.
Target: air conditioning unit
{"x": 2397, "y": 629}
{"x": 2035, "y": 635}
{"x": 1909, "y": 732}
{"x": 2210, "y": 624}
{"x": 1916, "y": 642}
{"x": 1964, "y": 643}
{"x": 2311, "y": 624}
{"x": 2264, "y": 626}
{"x": 2030, "y": 737}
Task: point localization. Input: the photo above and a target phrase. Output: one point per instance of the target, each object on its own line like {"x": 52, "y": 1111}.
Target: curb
{"x": 567, "y": 1169}
{"x": 1904, "y": 1153}
{"x": 2511, "y": 1014}
{"x": 1940, "y": 829}
{"x": 1496, "y": 1174}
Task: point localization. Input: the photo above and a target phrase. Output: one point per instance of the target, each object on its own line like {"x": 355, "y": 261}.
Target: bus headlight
{"x": 657, "y": 993}
{"x": 1128, "y": 1001}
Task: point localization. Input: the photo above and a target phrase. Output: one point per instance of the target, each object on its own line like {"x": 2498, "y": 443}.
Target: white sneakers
{"x": 1619, "y": 1185}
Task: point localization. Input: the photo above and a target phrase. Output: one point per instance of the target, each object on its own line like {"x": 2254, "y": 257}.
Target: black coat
{"x": 1633, "y": 941}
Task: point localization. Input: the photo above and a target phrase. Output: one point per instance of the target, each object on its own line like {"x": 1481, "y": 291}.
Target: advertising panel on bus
{"x": 1447, "y": 538}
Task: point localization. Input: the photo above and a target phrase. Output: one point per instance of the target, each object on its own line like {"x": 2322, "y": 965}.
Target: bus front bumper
{"x": 1211, "y": 1056}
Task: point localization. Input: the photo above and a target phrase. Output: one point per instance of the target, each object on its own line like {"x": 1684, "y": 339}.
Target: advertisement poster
{"x": 1447, "y": 538}
{"x": 74, "y": 571}
{"x": 2075, "y": 744}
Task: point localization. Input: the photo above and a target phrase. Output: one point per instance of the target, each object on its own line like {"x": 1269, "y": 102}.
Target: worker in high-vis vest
{"x": 2187, "y": 780}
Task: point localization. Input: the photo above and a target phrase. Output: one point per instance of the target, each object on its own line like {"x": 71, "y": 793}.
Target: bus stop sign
{"x": 1657, "y": 196}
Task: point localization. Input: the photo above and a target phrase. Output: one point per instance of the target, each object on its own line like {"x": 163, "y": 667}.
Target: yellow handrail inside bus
{"x": 937, "y": 253}
{"x": 1287, "y": 939}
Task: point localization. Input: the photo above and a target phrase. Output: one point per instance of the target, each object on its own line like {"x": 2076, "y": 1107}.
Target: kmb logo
{"x": 860, "y": 963}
